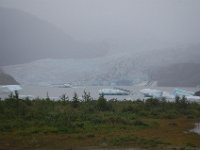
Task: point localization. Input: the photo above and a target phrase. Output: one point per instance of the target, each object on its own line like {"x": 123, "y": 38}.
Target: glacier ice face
{"x": 102, "y": 70}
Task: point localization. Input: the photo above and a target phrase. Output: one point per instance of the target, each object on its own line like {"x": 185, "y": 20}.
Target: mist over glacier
{"x": 107, "y": 70}
{"x": 98, "y": 42}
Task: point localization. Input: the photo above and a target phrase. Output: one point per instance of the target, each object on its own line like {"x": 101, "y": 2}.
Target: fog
{"x": 100, "y": 41}
{"x": 127, "y": 23}
{"x": 75, "y": 71}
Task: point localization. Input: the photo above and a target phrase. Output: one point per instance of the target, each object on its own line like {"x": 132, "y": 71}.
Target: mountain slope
{"x": 25, "y": 38}
{"x": 6, "y": 79}
{"x": 182, "y": 74}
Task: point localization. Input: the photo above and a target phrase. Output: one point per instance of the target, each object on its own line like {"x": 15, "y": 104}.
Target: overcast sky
{"x": 127, "y": 21}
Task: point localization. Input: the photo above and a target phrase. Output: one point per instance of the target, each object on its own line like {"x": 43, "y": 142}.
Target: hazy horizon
{"x": 128, "y": 24}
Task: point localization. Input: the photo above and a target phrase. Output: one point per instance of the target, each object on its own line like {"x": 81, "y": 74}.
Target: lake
{"x": 196, "y": 128}
{"x": 56, "y": 92}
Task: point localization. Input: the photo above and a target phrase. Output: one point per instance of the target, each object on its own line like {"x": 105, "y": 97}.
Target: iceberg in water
{"x": 152, "y": 93}
{"x": 114, "y": 91}
{"x": 181, "y": 92}
{"x": 193, "y": 98}
{"x": 9, "y": 88}
{"x": 62, "y": 85}
{"x": 188, "y": 94}
{"x": 177, "y": 92}
{"x": 168, "y": 96}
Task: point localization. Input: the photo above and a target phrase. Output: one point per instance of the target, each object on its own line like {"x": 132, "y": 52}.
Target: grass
{"x": 63, "y": 124}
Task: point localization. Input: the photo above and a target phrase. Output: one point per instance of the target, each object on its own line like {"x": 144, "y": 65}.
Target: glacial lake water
{"x": 196, "y": 128}
{"x": 56, "y": 92}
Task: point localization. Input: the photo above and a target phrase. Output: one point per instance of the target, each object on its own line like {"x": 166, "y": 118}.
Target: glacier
{"x": 109, "y": 70}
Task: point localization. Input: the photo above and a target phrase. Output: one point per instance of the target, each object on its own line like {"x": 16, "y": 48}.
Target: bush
{"x": 102, "y": 104}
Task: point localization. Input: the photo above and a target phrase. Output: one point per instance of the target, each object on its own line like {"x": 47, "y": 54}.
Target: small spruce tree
{"x": 16, "y": 94}
{"x": 102, "y": 103}
{"x": 75, "y": 101}
{"x": 86, "y": 96}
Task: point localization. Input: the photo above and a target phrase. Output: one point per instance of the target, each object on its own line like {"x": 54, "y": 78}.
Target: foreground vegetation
{"x": 90, "y": 124}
